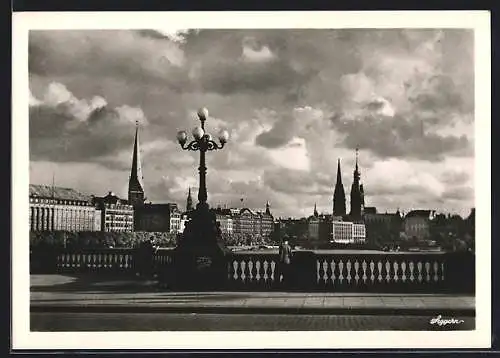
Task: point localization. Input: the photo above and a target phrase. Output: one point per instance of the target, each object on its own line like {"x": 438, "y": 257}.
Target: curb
{"x": 468, "y": 312}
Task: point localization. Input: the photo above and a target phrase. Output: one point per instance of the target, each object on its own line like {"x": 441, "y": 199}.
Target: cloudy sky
{"x": 294, "y": 101}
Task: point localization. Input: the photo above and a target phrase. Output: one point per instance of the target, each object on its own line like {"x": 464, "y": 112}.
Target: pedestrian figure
{"x": 284, "y": 265}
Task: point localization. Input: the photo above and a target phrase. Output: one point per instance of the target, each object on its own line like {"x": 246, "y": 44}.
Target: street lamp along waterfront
{"x": 203, "y": 143}
{"x": 198, "y": 260}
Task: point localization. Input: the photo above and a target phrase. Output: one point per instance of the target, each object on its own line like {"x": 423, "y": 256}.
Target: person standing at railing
{"x": 284, "y": 264}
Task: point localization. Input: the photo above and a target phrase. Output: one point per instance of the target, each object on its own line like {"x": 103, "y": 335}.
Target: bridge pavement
{"x": 98, "y": 294}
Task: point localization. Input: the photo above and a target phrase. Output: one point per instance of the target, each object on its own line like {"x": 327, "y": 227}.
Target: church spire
{"x": 356, "y": 170}
{"x": 135, "y": 184}
{"x": 339, "y": 194}
{"x": 189, "y": 201}
{"x": 357, "y": 195}
{"x": 268, "y": 208}
{"x": 315, "y": 211}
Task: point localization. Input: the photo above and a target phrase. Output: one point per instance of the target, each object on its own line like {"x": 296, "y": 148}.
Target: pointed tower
{"x": 189, "y": 201}
{"x": 356, "y": 196}
{"x": 339, "y": 195}
{"x": 135, "y": 184}
{"x": 268, "y": 208}
{"x": 315, "y": 211}
{"x": 362, "y": 192}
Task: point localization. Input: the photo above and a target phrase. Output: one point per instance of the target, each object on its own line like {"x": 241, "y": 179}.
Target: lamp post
{"x": 199, "y": 257}
{"x": 203, "y": 143}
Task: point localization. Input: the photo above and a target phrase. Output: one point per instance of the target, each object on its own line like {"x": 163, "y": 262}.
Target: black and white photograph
{"x": 257, "y": 175}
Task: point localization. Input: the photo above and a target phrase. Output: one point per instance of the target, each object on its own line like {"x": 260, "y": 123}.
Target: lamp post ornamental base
{"x": 198, "y": 261}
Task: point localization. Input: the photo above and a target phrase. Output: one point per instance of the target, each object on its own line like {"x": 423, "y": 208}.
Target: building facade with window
{"x": 225, "y": 218}
{"x": 417, "y": 223}
{"x": 348, "y": 232}
{"x": 61, "y": 209}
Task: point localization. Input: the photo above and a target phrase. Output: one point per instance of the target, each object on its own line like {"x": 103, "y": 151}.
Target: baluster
{"x": 341, "y": 271}
{"x": 328, "y": 271}
{"x": 442, "y": 271}
{"x": 372, "y": 271}
{"x": 436, "y": 267}
{"x": 403, "y": 269}
{"x": 89, "y": 261}
{"x": 419, "y": 268}
{"x": 387, "y": 271}
{"x": 379, "y": 266}
{"x": 243, "y": 270}
{"x": 257, "y": 269}
{"x": 265, "y": 267}
{"x": 129, "y": 262}
{"x": 356, "y": 268}
{"x": 395, "y": 266}
{"x": 325, "y": 271}
{"x": 428, "y": 271}
{"x": 333, "y": 264}
{"x": 348, "y": 266}
{"x": 250, "y": 270}
{"x": 412, "y": 268}
{"x": 235, "y": 267}
{"x": 321, "y": 271}
{"x": 364, "y": 266}
{"x": 273, "y": 271}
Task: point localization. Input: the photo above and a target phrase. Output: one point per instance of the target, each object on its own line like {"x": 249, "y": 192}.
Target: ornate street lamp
{"x": 199, "y": 257}
{"x": 203, "y": 143}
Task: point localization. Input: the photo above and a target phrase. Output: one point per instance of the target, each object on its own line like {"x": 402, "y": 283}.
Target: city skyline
{"x": 405, "y": 98}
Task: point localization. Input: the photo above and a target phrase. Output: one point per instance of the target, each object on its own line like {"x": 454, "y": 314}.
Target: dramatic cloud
{"x": 293, "y": 101}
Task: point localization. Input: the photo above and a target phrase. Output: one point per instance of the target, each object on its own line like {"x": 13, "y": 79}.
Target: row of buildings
{"x": 64, "y": 209}
{"x": 246, "y": 221}
{"x": 53, "y": 208}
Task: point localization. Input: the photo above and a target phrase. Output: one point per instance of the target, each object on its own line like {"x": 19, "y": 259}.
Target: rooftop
{"x": 47, "y": 191}
{"x": 420, "y": 213}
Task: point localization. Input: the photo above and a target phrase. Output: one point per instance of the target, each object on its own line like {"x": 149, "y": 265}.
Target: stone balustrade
{"x": 341, "y": 270}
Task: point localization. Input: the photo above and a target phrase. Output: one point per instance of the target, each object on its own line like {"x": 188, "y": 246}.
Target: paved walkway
{"x": 57, "y": 293}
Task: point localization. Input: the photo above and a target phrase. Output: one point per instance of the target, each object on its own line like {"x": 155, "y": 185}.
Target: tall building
{"x": 339, "y": 195}
{"x": 116, "y": 214}
{"x": 61, "y": 209}
{"x": 266, "y": 222}
{"x": 136, "y": 184}
{"x": 189, "y": 201}
{"x": 357, "y": 197}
